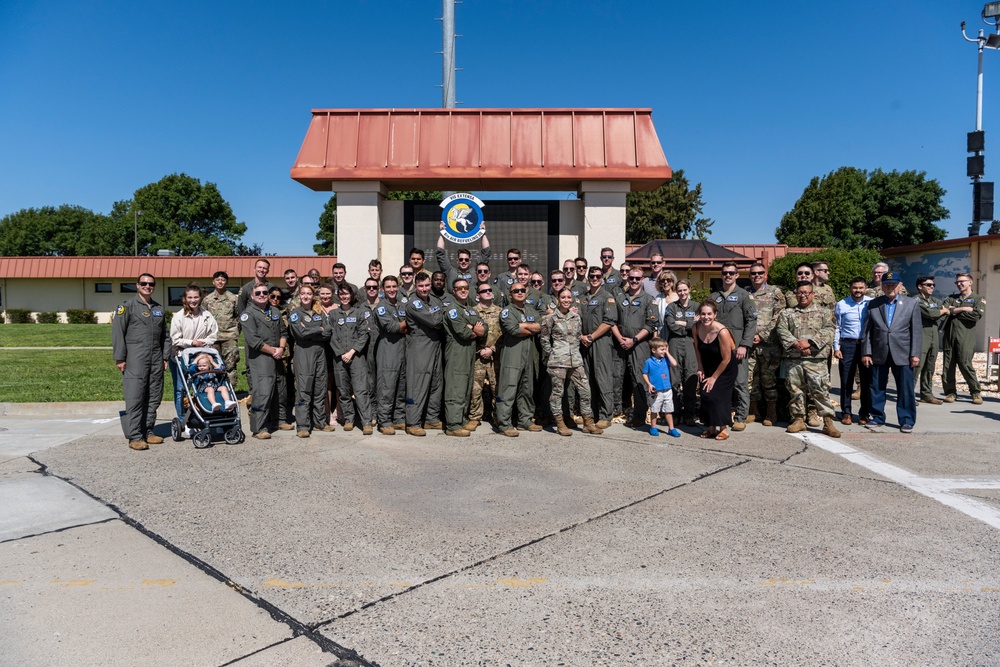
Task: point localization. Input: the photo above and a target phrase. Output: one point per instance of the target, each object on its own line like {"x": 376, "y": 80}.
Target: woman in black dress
{"x": 714, "y": 347}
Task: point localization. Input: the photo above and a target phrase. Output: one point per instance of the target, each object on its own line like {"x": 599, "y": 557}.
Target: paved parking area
{"x": 591, "y": 550}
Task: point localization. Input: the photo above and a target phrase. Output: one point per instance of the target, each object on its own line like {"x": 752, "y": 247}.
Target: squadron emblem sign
{"x": 462, "y": 215}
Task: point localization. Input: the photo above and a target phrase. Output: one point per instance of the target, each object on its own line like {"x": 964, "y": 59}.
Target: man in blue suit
{"x": 890, "y": 341}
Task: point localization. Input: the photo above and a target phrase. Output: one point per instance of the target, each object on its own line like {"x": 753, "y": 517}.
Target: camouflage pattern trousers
{"x": 764, "y": 362}
{"x": 483, "y": 375}
{"x": 229, "y": 350}
{"x": 578, "y": 376}
{"x": 808, "y": 378}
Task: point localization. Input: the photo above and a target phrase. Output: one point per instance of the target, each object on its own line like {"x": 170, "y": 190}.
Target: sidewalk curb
{"x": 107, "y": 408}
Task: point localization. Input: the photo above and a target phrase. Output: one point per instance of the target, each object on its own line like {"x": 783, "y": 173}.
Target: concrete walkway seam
{"x": 298, "y": 627}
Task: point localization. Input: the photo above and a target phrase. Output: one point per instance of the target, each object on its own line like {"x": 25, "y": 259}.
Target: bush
{"x": 47, "y": 318}
{"x": 19, "y": 316}
{"x": 80, "y": 316}
{"x": 844, "y": 265}
{"x": 168, "y": 316}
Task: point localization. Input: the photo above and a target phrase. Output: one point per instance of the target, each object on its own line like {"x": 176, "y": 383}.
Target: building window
{"x": 103, "y": 288}
{"x": 127, "y": 288}
{"x": 175, "y": 296}
{"x": 233, "y": 290}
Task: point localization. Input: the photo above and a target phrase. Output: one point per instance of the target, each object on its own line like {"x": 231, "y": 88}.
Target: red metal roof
{"x": 481, "y": 149}
{"x": 160, "y": 267}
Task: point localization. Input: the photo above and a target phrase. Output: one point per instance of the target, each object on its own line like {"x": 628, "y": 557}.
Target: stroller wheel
{"x": 235, "y": 436}
{"x": 202, "y": 439}
{"x": 176, "y": 428}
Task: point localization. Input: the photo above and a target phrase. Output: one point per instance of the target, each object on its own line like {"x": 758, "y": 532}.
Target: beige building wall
{"x": 570, "y": 229}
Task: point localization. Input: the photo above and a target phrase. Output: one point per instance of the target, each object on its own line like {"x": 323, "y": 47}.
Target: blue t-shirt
{"x": 658, "y": 372}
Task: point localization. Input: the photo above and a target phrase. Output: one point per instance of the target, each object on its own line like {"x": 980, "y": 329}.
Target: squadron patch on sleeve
{"x": 244, "y": 317}
{"x": 294, "y": 317}
{"x": 120, "y": 311}
{"x": 453, "y": 314}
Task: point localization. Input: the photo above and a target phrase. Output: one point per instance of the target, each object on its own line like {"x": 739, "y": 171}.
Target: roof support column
{"x": 603, "y": 218}
{"x": 359, "y": 224}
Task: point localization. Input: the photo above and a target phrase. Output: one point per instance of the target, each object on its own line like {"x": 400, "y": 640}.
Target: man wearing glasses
{"x": 612, "y": 280}
{"x": 265, "y": 336}
{"x": 932, "y": 311}
{"x": 736, "y": 312}
{"x": 260, "y": 270}
{"x": 822, "y": 292}
{"x": 638, "y": 318}
{"x": 581, "y": 271}
{"x": 875, "y": 289}
{"x": 423, "y": 359}
{"x": 373, "y": 297}
{"x": 577, "y": 287}
{"x": 503, "y": 282}
{"x": 464, "y": 259}
{"x": 390, "y": 383}
{"x": 407, "y": 287}
{"x": 656, "y": 266}
{"x": 598, "y": 314}
{"x": 484, "y": 369}
{"x": 959, "y": 341}
{"x": 520, "y": 323}
{"x": 140, "y": 347}
{"x": 806, "y": 334}
{"x": 765, "y": 358}
{"x": 463, "y": 327}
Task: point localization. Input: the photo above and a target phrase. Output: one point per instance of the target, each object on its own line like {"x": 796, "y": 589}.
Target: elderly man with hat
{"x": 890, "y": 342}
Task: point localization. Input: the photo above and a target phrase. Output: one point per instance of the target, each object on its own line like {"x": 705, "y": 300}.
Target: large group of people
{"x": 416, "y": 350}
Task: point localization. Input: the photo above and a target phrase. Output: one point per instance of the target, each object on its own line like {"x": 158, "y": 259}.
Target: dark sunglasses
{"x": 558, "y": 280}
{"x": 634, "y": 280}
{"x": 486, "y": 291}
{"x": 595, "y": 276}
{"x": 756, "y": 273}
{"x": 482, "y": 270}
{"x": 368, "y": 287}
{"x": 513, "y": 259}
{"x": 260, "y": 293}
{"x": 519, "y": 290}
{"x": 461, "y": 287}
{"x": 927, "y": 284}
{"x": 537, "y": 282}
{"x": 406, "y": 274}
{"x": 803, "y": 273}
{"x": 607, "y": 256}
{"x": 730, "y": 273}
{"x": 146, "y": 283}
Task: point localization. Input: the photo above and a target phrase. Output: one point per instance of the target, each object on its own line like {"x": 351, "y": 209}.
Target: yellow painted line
{"x": 10, "y": 581}
{"x": 163, "y": 583}
{"x": 75, "y": 582}
{"x": 281, "y": 583}
{"x": 515, "y": 582}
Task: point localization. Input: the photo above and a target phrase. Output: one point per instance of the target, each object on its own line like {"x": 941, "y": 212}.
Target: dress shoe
{"x": 846, "y": 420}
{"x": 931, "y": 400}
{"x": 137, "y": 445}
{"x": 153, "y": 439}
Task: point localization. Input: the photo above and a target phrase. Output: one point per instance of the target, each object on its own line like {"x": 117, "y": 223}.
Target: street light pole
{"x": 135, "y": 230}
{"x": 982, "y": 193}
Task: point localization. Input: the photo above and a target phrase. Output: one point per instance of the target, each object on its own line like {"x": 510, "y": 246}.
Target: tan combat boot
{"x": 387, "y": 430}
{"x": 603, "y": 424}
{"x": 471, "y": 425}
{"x": 415, "y": 430}
{"x": 829, "y": 429}
{"x": 590, "y": 427}
{"x": 771, "y": 418}
{"x": 366, "y": 429}
{"x": 561, "y": 427}
{"x": 137, "y": 445}
{"x": 813, "y": 419}
{"x": 752, "y": 412}
{"x": 798, "y": 425}
{"x": 458, "y": 432}
{"x": 303, "y": 433}
{"x": 434, "y": 426}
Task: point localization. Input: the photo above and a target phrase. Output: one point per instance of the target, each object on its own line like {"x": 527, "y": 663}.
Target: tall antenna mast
{"x": 448, "y": 54}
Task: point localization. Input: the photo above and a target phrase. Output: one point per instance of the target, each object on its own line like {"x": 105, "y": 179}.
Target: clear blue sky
{"x": 751, "y": 99}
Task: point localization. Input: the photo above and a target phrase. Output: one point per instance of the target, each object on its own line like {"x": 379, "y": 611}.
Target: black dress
{"x": 716, "y": 405}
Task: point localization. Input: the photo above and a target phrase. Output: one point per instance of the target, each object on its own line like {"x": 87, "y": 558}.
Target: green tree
{"x": 670, "y": 212}
{"x": 850, "y": 208}
{"x": 48, "y": 230}
{"x": 844, "y": 266}
{"x": 179, "y": 213}
{"x": 327, "y": 234}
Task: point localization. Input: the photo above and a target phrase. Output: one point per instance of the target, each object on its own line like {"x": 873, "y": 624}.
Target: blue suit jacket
{"x": 900, "y": 341}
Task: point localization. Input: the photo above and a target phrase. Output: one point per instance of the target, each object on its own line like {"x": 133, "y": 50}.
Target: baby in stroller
{"x": 211, "y": 384}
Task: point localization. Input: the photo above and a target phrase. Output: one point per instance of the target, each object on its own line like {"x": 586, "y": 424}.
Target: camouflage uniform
{"x": 823, "y": 296}
{"x": 875, "y": 292}
{"x": 484, "y": 370}
{"x": 959, "y": 342}
{"x": 765, "y": 358}
{"x": 560, "y": 339}
{"x": 223, "y": 309}
{"x": 807, "y": 373}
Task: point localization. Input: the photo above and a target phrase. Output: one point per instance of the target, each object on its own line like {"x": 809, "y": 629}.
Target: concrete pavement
{"x": 620, "y": 549}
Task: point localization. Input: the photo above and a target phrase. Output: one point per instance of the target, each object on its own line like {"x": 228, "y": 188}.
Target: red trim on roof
{"x": 161, "y": 267}
{"x": 481, "y": 149}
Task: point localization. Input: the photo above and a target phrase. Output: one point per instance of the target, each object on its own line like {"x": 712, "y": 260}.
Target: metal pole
{"x": 979, "y": 85}
{"x": 448, "y": 54}
{"x": 135, "y": 231}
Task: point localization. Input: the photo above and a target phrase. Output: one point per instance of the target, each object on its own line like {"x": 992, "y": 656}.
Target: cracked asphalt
{"x": 620, "y": 549}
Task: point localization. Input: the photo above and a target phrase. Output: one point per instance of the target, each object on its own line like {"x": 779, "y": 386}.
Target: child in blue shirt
{"x": 656, "y": 373}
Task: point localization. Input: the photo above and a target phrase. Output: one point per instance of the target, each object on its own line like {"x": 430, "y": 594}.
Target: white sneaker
{"x": 186, "y": 433}
{"x": 231, "y": 404}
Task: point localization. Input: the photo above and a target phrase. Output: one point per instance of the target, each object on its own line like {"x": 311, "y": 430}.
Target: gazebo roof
{"x": 481, "y": 149}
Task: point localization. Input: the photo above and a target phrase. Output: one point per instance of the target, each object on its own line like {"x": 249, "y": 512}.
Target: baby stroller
{"x": 198, "y": 418}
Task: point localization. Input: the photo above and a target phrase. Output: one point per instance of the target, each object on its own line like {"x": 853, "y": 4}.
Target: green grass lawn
{"x": 55, "y": 335}
{"x": 45, "y": 376}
